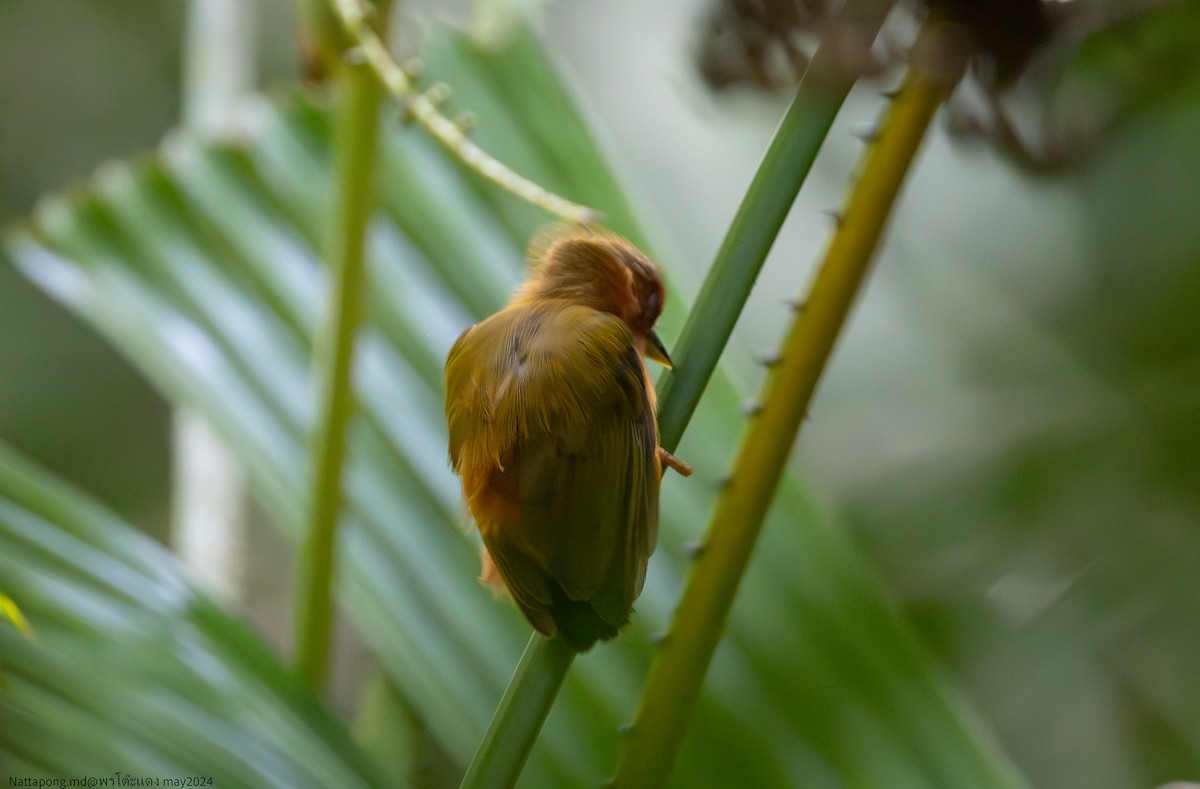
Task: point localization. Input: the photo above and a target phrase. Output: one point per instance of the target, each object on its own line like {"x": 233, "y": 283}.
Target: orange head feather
{"x": 601, "y": 270}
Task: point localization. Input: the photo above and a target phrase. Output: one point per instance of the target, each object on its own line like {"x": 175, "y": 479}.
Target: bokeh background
{"x": 1010, "y": 428}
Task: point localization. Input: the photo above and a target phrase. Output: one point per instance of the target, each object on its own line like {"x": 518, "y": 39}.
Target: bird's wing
{"x": 549, "y": 415}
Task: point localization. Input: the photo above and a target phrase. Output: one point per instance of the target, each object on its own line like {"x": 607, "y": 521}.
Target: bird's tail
{"x": 578, "y": 623}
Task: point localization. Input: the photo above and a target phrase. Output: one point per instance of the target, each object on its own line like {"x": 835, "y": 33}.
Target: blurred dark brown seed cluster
{"x": 1019, "y": 50}
{"x": 1005, "y": 34}
{"x": 766, "y": 43}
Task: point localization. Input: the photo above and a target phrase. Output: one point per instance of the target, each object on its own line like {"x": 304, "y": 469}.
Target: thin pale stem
{"x": 354, "y": 156}
{"x": 208, "y": 490}
{"x": 367, "y": 47}
{"x": 681, "y": 663}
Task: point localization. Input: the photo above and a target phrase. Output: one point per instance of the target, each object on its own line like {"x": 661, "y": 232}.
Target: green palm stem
{"x": 679, "y": 667}
{"x": 356, "y": 127}
{"x": 522, "y": 711}
{"x": 827, "y": 81}
{"x": 834, "y": 68}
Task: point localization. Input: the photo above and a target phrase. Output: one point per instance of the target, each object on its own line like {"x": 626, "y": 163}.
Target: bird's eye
{"x": 652, "y": 304}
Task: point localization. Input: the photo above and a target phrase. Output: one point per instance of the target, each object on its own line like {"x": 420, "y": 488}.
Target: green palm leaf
{"x": 131, "y": 670}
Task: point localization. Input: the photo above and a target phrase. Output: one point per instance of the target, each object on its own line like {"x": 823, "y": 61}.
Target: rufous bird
{"x": 553, "y": 431}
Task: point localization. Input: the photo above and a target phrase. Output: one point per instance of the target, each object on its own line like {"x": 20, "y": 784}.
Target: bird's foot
{"x": 665, "y": 459}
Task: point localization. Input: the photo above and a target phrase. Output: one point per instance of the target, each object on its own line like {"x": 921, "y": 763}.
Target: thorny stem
{"x": 681, "y": 663}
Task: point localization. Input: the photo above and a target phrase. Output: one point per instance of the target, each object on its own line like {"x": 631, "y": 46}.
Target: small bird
{"x": 552, "y": 429}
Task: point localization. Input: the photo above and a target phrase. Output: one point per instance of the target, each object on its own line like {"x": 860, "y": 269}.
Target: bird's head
{"x": 603, "y": 271}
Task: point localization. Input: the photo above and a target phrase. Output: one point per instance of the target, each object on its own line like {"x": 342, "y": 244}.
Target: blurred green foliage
{"x": 1039, "y": 532}
{"x": 81, "y": 83}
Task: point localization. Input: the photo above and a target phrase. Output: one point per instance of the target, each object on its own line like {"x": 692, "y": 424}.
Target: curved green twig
{"x": 682, "y": 661}
{"x": 531, "y": 692}
{"x": 354, "y": 157}
{"x": 369, "y": 48}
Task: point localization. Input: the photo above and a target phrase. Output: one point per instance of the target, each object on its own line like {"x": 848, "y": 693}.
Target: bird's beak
{"x": 656, "y": 351}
